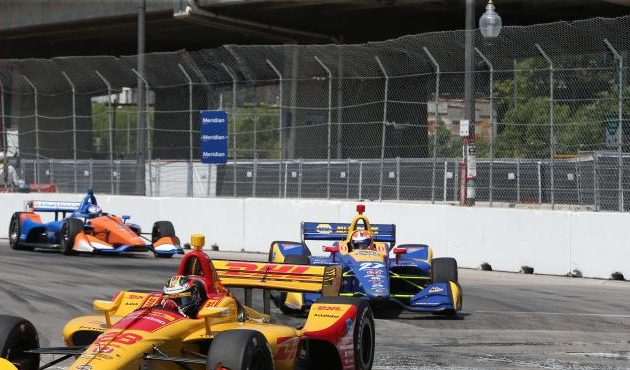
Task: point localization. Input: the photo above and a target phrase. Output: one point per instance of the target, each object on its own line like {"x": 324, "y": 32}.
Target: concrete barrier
{"x": 553, "y": 242}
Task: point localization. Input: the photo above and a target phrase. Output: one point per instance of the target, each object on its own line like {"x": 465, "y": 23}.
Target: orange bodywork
{"x": 110, "y": 229}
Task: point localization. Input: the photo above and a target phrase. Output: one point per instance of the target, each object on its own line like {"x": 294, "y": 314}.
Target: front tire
{"x": 364, "y": 336}
{"x": 444, "y": 270}
{"x": 69, "y": 231}
{"x": 240, "y": 350}
{"x": 18, "y": 335}
{"x": 162, "y": 229}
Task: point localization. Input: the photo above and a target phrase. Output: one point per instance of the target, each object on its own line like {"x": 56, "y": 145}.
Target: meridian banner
{"x": 214, "y": 137}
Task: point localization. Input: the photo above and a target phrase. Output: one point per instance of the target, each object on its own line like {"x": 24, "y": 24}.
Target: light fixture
{"x": 490, "y": 22}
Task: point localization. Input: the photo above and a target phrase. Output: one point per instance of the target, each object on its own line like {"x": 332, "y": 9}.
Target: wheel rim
{"x": 366, "y": 344}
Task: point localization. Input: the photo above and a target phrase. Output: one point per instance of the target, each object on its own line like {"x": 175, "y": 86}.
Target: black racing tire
{"x": 443, "y": 270}
{"x": 162, "y": 229}
{"x": 297, "y": 259}
{"x": 14, "y": 232}
{"x": 16, "y": 336}
{"x": 240, "y": 350}
{"x": 163, "y": 255}
{"x": 69, "y": 231}
{"x": 364, "y": 333}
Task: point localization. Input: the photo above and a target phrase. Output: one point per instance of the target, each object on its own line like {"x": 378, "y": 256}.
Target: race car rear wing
{"x": 325, "y": 280}
{"x": 339, "y": 231}
{"x": 52, "y": 206}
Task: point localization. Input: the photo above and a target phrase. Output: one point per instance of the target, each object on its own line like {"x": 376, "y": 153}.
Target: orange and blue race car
{"x": 84, "y": 227}
{"x": 149, "y": 330}
{"x": 412, "y": 280}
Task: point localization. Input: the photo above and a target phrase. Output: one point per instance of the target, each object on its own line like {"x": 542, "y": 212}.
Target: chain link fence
{"x": 372, "y": 121}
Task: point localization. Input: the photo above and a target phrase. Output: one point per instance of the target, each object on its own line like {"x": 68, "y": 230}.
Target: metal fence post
{"x": 74, "y": 127}
{"x": 234, "y": 124}
{"x": 299, "y": 178}
{"x": 280, "y": 126}
{"x": 254, "y": 175}
{"x": 36, "y": 118}
{"x": 455, "y": 180}
{"x": 577, "y": 179}
{"x": 348, "y": 179}
{"x": 286, "y": 170}
{"x": 148, "y": 128}
{"x": 91, "y": 169}
{"x": 329, "y": 123}
{"x": 51, "y": 171}
{"x": 445, "y": 185}
{"x": 360, "y": 180}
{"x": 397, "y": 178}
{"x": 384, "y": 132}
{"x": 595, "y": 182}
{"x": 539, "y": 183}
{"x": 5, "y": 140}
{"x": 190, "y": 191}
{"x": 551, "y": 123}
{"x": 492, "y": 124}
{"x": 518, "y": 181}
{"x": 110, "y": 121}
{"x": 437, "y": 118}
{"x": 619, "y": 59}
{"x": 118, "y": 177}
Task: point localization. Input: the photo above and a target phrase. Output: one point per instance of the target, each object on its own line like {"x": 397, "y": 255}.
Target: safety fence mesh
{"x": 372, "y": 121}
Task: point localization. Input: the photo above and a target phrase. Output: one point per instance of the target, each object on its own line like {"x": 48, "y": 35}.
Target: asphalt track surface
{"x": 511, "y": 321}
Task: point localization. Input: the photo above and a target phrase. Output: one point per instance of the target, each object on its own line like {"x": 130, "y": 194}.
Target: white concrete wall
{"x": 553, "y": 242}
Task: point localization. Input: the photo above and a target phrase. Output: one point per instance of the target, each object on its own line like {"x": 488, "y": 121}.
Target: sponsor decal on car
{"x": 324, "y": 229}
{"x": 371, "y": 266}
{"x": 435, "y": 289}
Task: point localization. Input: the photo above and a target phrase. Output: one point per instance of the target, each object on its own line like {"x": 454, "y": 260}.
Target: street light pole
{"x": 490, "y": 26}
{"x": 469, "y": 105}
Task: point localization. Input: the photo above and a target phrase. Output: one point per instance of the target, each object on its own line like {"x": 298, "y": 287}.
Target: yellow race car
{"x": 144, "y": 330}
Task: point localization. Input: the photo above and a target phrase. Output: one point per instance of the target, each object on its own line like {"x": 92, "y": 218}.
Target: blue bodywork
{"x": 403, "y": 281}
{"x": 49, "y": 234}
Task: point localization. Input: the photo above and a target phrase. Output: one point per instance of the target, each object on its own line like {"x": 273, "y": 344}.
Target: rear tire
{"x": 14, "y": 232}
{"x": 444, "y": 270}
{"x": 240, "y": 350}
{"x": 162, "y": 229}
{"x": 16, "y": 336}
{"x": 364, "y": 335}
{"x": 71, "y": 227}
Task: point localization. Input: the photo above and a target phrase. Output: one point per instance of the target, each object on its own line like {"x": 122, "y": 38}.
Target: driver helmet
{"x": 94, "y": 210}
{"x": 361, "y": 239}
{"x": 185, "y": 293}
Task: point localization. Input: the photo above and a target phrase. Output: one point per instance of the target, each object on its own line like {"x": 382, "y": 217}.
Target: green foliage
{"x": 257, "y": 133}
{"x": 584, "y": 100}
{"x": 125, "y": 118}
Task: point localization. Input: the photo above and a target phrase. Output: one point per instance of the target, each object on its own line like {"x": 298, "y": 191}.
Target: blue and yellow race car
{"x": 410, "y": 280}
{"x": 83, "y": 227}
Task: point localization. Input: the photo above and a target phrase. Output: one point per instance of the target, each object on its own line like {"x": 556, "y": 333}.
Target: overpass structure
{"x": 42, "y": 29}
